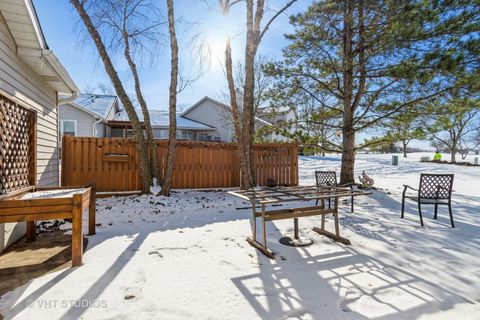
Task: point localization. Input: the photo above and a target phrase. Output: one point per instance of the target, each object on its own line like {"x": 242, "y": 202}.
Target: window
{"x": 187, "y": 135}
{"x": 204, "y": 137}
{"x": 68, "y": 127}
{"x": 160, "y": 134}
{"x": 116, "y": 133}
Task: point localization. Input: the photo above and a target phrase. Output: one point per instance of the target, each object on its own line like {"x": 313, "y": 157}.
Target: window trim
{"x": 62, "y": 121}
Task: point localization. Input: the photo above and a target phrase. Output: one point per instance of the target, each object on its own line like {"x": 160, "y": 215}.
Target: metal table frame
{"x": 266, "y": 196}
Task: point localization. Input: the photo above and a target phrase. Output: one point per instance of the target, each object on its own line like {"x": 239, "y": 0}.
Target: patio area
{"x": 186, "y": 257}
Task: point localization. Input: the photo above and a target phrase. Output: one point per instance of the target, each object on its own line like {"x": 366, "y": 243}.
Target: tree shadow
{"x": 340, "y": 284}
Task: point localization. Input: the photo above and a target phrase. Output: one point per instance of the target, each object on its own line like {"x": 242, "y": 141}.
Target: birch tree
{"x": 135, "y": 25}
{"x": 172, "y": 135}
{"x": 141, "y": 145}
{"x": 244, "y": 115}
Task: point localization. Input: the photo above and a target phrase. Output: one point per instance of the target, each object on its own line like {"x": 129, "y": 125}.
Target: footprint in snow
{"x": 155, "y": 252}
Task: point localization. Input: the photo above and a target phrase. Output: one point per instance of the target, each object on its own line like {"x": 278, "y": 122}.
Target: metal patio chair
{"x": 329, "y": 179}
{"x": 434, "y": 189}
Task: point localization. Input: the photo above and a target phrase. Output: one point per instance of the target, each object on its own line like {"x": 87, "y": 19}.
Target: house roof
{"x": 160, "y": 119}
{"x": 23, "y": 24}
{"x": 206, "y": 98}
{"x": 98, "y": 104}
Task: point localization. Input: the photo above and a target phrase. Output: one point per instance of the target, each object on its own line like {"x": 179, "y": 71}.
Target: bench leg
{"x": 77, "y": 235}
{"x": 92, "y": 208}
{"x": 31, "y": 231}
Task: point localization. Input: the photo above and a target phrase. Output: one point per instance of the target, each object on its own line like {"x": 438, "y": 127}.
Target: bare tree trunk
{"x": 404, "y": 143}
{"x": 172, "y": 135}
{"x": 245, "y": 129}
{"x": 154, "y": 164}
{"x": 453, "y": 150}
{"x": 253, "y": 34}
{"x": 244, "y": 180}
{"x": 145, "y": 173}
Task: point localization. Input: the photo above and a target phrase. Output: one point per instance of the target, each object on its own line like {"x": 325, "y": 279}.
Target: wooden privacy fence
{"x": 112, "y": 164}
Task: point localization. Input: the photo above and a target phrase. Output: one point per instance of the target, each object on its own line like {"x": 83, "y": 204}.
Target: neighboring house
{"x": 87, "y": 115}
{"x": 100, "y": 116}
{"x": 284, "y": 117}
{"x": 32, "y": 82}
{"x": 219, "y": 116}
{"x": 186, "y": 129}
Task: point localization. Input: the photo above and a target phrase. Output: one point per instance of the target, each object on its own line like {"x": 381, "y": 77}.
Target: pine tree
{"x": 370, "y": 60}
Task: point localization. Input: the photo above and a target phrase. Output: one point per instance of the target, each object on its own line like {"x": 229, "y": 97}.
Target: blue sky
{"x": 59, "y": 23}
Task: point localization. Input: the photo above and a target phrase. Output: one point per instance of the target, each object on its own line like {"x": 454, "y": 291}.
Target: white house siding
{"x": 214, "y": 115}
{"x": 84, "y": 120}
{"x": 19, "y": 83}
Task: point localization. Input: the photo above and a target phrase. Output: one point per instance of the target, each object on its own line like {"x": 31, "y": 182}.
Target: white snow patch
{"x": 185, "y": 257}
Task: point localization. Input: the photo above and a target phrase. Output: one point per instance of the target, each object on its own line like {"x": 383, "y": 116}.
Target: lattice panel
{"x": 435, "y": 186}
{"x": 17, "y": 160}
{"x": 326, "y": 178}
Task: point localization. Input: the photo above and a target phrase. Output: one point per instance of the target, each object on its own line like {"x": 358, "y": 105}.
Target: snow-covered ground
{"x": 185, "y": 257}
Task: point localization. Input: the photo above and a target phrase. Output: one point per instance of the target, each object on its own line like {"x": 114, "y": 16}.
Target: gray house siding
{"x": 20, "y": 83}
{"x": 214, "y": 115}
{"x": 84, "y": 120}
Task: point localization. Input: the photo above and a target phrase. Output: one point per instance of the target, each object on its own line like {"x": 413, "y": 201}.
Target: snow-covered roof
{"x": 96, "y": 103}
{"x": 160, "y": 119}
{"x": 206, "y": 98}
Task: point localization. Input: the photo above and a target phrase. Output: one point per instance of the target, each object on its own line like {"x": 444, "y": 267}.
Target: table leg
{"x": 31, "y": 231}
{"x": 253, "y": 240}
{"x": 334, "y": 236}
{"x": 295, "y": 228}
{"x": 264, "y": 227}
{"x": 335, "y": 216}
{"x": 77, "y": 234}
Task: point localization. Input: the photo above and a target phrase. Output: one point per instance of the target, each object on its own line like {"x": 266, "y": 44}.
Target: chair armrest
{"x": 406, "y": 186}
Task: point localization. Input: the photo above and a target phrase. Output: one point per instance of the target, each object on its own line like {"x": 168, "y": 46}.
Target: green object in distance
{"x": 437, "y": 156}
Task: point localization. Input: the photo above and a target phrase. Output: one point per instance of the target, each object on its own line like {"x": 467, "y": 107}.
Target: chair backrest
{"x": 326, "y": 178}
{"x": 435, "y": 186}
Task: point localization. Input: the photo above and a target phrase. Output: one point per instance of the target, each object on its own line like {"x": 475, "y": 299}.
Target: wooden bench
{"x": 33, "y": 204}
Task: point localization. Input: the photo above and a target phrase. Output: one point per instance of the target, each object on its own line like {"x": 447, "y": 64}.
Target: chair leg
{"x": 316, "y": 202}
{"x": 436, "y": 211}
{"x": 351, "y": 209}
{"x": 403, "y": 205}
{"x": 329, "y": 203}
{"x": 420, "y": 213}
{"x": 451, "y": 215}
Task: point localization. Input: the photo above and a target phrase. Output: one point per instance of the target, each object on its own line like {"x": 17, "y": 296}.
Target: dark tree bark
{"x": 172, "y": 140}
{"x": 404, "y": 144}
{"x": 348, "y": 150}
{"x": 145, "y": 173}
{"x": 246, "y": 130}
{"x": 244, "y": 179}
{"x": 154, "y": 164}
